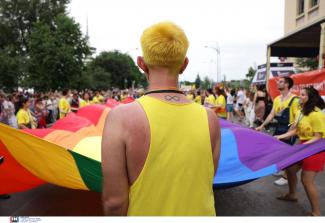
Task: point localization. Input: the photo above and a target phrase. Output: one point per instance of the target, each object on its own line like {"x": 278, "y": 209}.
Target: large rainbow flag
{"x": 69, "y": 153}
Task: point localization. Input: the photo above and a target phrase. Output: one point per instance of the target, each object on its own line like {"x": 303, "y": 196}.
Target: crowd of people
{"x": 23, "y": 110}
{"x": 249, "y": 106}
{"x": 40, "y": 110}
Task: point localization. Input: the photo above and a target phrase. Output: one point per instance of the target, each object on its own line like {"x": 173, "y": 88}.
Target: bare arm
{"x": 267, "y": 120}
{"x": 290, "y": 133}
{"x": 317, "y": 136}
{"x": 116, "y": 185}
{"x": 22, "y": 126}
{"x": 215, "y": 137}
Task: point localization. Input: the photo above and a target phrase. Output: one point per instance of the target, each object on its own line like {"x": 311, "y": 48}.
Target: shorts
{"x": 314, "y": 163}
{"x": 239, "y": 107}
{"x": 230, "y": 108}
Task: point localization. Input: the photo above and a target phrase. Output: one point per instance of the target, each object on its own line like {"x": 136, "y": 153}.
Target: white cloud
{"x": 242, "y": 29}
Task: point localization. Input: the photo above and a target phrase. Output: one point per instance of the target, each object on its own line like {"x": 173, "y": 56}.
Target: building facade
{"x": 300, "y": 13}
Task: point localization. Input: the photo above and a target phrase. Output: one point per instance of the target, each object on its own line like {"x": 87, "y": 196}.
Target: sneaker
{"x": 4, "y": 196}
{"x": 278, "y": 174}
{"x": 281, "y": 182}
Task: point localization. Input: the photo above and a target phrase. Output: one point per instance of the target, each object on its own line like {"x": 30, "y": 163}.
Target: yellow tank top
{"x": 177, "y": 177}
{"x": 221, "y": 111}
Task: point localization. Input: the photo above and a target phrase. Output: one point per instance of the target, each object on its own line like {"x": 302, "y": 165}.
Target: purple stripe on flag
{"x": 258, "y": 150}
{"x": 302, "y": 151}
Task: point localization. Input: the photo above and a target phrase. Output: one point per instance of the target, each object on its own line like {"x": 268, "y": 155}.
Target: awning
{"x": 301, "y": 43}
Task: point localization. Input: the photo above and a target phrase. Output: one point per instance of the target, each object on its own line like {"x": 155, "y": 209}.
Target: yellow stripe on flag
{"x": 90, "y": 147}
{"x": 49, "y": 162}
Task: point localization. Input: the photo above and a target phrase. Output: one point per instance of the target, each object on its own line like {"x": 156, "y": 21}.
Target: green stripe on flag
{"x": 90, "y": 171}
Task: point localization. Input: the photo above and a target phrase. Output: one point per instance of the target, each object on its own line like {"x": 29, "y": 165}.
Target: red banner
{"x": 313, "y": 78}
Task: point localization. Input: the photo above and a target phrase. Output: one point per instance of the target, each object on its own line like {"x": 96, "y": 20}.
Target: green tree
{"x": 207, "y": 83}
{"x": 239, "y": 83}
{"x": 9, "y": 68}
{"x": 250, "y": 74}
{"x": 188, "y": 83}
{"x": 309, "y": 63}
{"x": 56, "y": 55}
{"x": 233, "y": 84}
{"x": 197, "y": 81}
{"x": 114, "y": 69}
{"x": 17, "y": 18}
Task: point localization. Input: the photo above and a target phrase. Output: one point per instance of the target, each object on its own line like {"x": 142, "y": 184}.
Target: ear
{"x": 142, "y": 65}
{"x": 183, "y": 67}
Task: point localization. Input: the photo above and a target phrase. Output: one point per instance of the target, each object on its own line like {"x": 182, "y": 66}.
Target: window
{"x": 313, "y": 3}
{"x": 301, "y": 7}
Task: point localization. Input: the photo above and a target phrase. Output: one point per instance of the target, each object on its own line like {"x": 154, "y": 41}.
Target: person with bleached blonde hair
{"x": 152, "y": 164}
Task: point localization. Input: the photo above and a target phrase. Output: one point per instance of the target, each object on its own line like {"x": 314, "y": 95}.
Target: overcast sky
{"x": 242, "y": 29}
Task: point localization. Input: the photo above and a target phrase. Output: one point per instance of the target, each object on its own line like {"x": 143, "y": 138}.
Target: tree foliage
{"x": 56, "y": 54}
{"x": 17, "y": 22}
{"x": 197, "y": 81}
{"x": 17, "y": 18}
{"x": 309, "y": 63}
{"x": 207, "y": 83}
{"x": 113, "y": 69}
{"x": 250, "y": 74}
{"x": 9, "y": 67}
{"x": 239, "y": 83}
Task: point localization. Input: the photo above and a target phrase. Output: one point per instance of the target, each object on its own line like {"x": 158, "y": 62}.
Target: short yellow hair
{"x": 164, "y": 44}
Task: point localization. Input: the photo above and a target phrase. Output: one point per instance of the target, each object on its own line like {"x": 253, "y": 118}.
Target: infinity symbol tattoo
{"x": 171, "y": 98}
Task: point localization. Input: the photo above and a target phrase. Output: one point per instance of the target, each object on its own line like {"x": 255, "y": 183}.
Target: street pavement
{"x": 256, "y": 198}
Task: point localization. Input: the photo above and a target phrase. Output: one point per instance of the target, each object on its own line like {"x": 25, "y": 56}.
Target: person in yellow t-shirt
{"x": 64, "y": 105}
{"x": 25, "y": 119}
{"x": 279, "y": 105}
{"x": 281, "y": 111}
{"x": 85, "y": 100}
{"x": 210, "y": 99}
{"x": 98, "y": 98}
{"x": 190, "y": 95}
{"x": 309, "y": 126}
{"x": 124, "y": 95}
{"x": 198, "y": 98}
{"x": 221, "y": 103}
{"x": 101, "y": 98}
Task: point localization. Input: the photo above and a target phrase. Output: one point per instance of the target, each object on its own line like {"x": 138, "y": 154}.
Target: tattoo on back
{"x": 172, "y": 98}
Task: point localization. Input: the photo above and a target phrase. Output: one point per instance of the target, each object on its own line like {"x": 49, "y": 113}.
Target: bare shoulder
{"x": 125, "y": 110}
{"x": 125, "y": 115}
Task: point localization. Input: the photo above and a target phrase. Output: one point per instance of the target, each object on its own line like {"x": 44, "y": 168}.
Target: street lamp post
{"x": 217, "y": 49}
{"x": 127, "y": 52}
